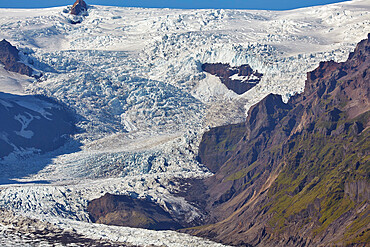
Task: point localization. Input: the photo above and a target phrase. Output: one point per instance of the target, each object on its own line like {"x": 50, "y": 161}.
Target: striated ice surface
{"x": 17, "y": 230}
{"x": 133, "y": 77}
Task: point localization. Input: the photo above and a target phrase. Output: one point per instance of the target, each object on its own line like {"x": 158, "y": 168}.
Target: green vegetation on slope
{"x": 312, "y": 183}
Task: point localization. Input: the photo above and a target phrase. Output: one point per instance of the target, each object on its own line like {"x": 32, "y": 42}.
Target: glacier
{"x": 134, "y": 78}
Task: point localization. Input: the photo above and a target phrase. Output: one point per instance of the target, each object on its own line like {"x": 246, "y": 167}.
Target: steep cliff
{"x": 295, "y": 174}
{"x": 9, "y": 57}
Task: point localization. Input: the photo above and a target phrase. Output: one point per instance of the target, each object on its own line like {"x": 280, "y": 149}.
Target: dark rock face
{"x": 79, "y": 7}
{"x": 212, "y": 142}
{"x": 32, "y": 122}
{"x": 225, "y": 72}
{"x": 10, "y": 58}
{"x": 120, "y": 210}
{"x": 295, "y": 174}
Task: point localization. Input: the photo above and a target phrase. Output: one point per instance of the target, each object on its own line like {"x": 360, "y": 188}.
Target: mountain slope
{"x": 10, "y": 59}
{"x": 299, "y": 174}
{"x": 134, "y": 76}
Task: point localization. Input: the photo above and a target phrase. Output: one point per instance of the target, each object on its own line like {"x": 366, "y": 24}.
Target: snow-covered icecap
{"x": 134, "y": 78}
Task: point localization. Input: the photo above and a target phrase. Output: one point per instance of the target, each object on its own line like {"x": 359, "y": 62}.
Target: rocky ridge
{"x": 79, "y": 7}
{"x": 9, "y": 56}
{"x": 294, "y": 174}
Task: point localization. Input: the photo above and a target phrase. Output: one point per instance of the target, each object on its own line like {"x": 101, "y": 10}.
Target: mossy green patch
{"x": 242, "y": 173}
{"x": 314, "y": 173}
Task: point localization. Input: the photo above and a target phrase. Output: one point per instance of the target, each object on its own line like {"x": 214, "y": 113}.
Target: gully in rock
{"x": 294, "y": 174}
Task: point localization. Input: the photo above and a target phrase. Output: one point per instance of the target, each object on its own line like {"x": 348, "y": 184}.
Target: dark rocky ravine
{"x": 294, "y": 174}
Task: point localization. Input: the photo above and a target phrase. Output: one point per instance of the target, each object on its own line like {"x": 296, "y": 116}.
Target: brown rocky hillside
{"x": 9, "y": 57}
{"x": 294, "y": 174}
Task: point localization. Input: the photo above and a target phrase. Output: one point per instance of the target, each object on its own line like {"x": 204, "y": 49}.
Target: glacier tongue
{"x": 134, "y": 77}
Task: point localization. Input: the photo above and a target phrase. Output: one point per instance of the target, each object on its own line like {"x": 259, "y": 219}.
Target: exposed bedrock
{"x": 9, "y": 57}
{"x": 122, "y": 210}
{"x": 294, "y": 174}
{"x": 238, "y": 79}
{"x": 79, "y": 7}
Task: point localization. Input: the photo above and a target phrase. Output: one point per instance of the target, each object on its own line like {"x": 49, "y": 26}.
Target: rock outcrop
{"x": 79, "y": 7}
{"x": 295, "y": 174}
{"x": 238, "y": 79}
{"x": 9, "y": 56}
{"x": 121, "y": 210}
